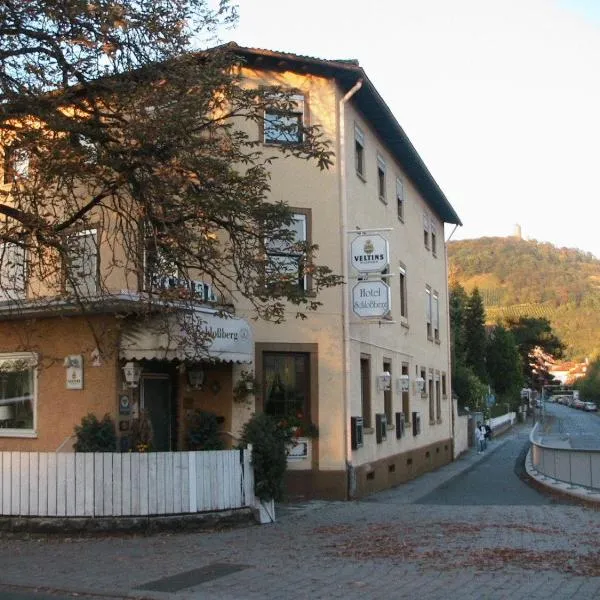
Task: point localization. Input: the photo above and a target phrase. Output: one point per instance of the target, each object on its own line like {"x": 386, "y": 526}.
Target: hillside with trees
{"x": 522, "y": 278}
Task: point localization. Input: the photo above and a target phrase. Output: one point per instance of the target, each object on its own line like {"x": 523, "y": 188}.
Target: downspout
{"x": 345, "y": 274}
{"x": 449, "y": 381}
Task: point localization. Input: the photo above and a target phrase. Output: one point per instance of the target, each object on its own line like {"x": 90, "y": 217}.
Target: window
{"x": 406, "y": 396}
{"x": 12, "y": 272}
{"x": 81, "y": 269}
{"x": 18, "y": 391}
{"x": 426, "y": 231}
{"x": 284, "y": 125}
{"x": 359, "y": 151}
{"x": 387, "y": 394}
{"x": 381, "y": 178}
{"x": 16, "y": 164}
{"x": 436, "y": 316}
{"x": 433, "y": 241}
{"x": 287, "y": 257}
{"x": 400, "y": 198}
{"x": 365, "y": 390}
{"x": 444, "y": 390}
{"x": 423, "y": 383}
{"x": 403, "y": 292}
{"x": 431, "y": 395}
{"x": 438, "y": 399}
{"x": 286, "y": 380}
{"x": 428, "y": 312}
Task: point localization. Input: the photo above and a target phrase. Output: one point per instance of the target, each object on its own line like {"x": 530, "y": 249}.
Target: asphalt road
{"x": 581, "y": 427}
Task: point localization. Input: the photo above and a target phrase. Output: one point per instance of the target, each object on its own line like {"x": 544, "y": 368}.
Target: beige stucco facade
{"x": 345, "y": 355}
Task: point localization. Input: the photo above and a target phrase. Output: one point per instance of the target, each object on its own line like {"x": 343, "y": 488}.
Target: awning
{"x": 195, "y": 336}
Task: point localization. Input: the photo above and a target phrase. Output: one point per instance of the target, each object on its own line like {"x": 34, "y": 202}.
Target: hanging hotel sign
{"x": 369, "y": 253}
{"x": 371, "y": 299}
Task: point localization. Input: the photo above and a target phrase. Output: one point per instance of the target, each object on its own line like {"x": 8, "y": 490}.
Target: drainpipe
{"x": 449, "y": 376}
{"x": 345, "y": 273}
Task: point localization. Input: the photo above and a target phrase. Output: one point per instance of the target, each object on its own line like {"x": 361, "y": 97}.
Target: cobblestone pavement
{"x": 416, "y": 541}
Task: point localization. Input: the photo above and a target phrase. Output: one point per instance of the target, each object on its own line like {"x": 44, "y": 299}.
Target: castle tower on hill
{"x": 517, "y": 232}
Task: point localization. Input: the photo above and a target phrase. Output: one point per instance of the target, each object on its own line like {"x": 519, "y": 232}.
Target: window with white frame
{"x": 436, "y": 315}
{"x": 16, "y": 163}
{"x": 433, "y": 240}
{"x": 381, "y": 178}
{"x": 81, "y": 268}
{"x": 13, "y": 277}
{"x": 431, "y": 396}
{"x": 284, "y": 124}
{"x": 18, "y": 394}
{"x": 444, "y": 389}
{"x": 428, "y": 312}
{"x": 286, "y": 258}
{"x": 426, "y": 230}
{"x": 438, "y": 399}
{"x": 400, "y": 198}
{"x": 359, "y": 151}
{"x": 403, "y": 292}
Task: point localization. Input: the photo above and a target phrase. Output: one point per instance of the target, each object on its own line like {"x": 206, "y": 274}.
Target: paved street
{"x": 471, "y": 530}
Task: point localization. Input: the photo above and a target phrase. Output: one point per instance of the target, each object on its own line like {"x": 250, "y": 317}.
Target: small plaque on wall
{"x": 124, "y": 405}
{"x": 74, "y": 365}
{"x": 298, "y": 450}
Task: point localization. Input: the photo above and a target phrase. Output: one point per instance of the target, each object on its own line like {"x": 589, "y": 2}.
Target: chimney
{"x": 517, "y": 233}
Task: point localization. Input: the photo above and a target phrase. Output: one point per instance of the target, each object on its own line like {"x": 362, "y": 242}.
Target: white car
{"x": 590, "y": 406}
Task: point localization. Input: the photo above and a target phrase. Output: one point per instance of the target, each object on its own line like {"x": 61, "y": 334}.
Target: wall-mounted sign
{"x": 298, "y": 450}
{"x": 74, "y": 366}
{"x": 371, "y": 299}
{"x": 124, "y": 404}
{"x": 369, "y": 253}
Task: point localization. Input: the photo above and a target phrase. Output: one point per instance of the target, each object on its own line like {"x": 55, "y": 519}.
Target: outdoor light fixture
{"x": 196, "y": 378}
{"x": 132, "y": 372}
{"x": 384, "y": 381}
{"x": 402, "y": 383}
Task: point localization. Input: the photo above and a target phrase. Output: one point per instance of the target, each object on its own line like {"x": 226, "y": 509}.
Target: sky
{"x": 501, "y": 98}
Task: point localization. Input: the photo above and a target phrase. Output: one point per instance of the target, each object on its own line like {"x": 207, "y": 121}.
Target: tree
{"x": 537, "y": 344}
{"x": 475, "y": 336}
{"x": 504, "y": 364}
{"x": 113, "y": 122}
{"x": 589, "y": 386}
{"x": 457, "y": 307}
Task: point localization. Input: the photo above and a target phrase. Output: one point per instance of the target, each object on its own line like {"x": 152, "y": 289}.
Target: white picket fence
{"x": 47, "y": 484}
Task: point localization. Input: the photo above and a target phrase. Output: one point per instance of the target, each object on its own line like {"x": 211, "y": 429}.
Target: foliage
{"x": 503, "y": 364}
{"x": 245, "y": 386}
{"x": 475, "y": 336}
{"x": 522, "y": 278}
{"x": 299, "y": 426}
{"x": 469, "y": 389}
{"x": 94, "y": 435}
{"x": 141, "y": 435}
{"x": 534, "y": 339}
{"x": 589, "y": 386}
{"x": 269, "y": 454}
{"x": 154, "y": 144}
{"x": 203, "y": 431}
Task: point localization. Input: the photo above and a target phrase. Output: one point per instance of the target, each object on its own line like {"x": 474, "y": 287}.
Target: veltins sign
{"x": 369, "y": 253}
{"x": 371, "y": 299}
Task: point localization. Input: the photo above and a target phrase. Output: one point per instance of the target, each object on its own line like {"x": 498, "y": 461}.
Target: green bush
{"x": 203, "y": 431}
{"x": 269, "y": 454}
{"x": 96, "y": 436}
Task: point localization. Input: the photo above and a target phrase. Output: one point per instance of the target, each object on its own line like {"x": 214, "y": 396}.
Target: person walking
{"x": 480, "y": 437}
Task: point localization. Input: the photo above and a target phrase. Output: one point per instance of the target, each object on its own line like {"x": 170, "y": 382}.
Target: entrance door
{"x": 156, "y": 401}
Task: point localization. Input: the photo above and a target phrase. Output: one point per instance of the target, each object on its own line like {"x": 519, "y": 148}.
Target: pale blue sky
{"x": 500, "y": 97}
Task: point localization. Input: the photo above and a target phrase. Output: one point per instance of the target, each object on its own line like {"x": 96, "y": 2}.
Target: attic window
{"x": 284, "y": 124}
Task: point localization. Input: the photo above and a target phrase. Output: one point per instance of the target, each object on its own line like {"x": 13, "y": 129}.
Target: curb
{"x": 126, "y": 525}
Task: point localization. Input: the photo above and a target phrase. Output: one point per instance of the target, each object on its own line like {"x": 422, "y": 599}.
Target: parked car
{"x": 589, "y": 406}
{"x": 578, "y": 404}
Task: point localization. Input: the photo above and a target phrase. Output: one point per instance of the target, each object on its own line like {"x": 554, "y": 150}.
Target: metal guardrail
{"x": 552, "y": 456}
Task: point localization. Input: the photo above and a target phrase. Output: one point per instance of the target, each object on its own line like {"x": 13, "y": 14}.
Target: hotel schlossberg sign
{"x": 371, "y": 299}
{"x": 369, "y": 253}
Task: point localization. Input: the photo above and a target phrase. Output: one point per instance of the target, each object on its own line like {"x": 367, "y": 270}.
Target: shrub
{"x": 203, "y": 431}
{"x": 269, "y": 454}
{"x": 96, "y": 436}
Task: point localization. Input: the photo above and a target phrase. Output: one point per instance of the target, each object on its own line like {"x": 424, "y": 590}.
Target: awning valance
{"x": 197, "y": 335}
